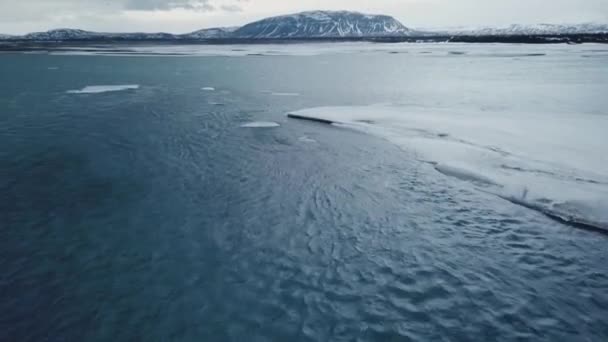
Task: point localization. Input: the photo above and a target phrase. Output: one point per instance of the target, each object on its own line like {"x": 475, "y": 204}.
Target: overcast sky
{"x": 179, "y": 16}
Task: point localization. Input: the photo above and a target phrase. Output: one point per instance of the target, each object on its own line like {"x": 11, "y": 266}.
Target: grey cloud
{"x": 23, "y": 16}
{"x": 231, "y": 8}
{"x": 148, "y": 5}
{"x": 37, "y": 9}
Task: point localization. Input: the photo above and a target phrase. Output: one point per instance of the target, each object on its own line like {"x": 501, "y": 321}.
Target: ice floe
{"x": 307, "y": 139}
{"x": 260, "y": 124}
{"x": 96, "y": 89}
{"x": 284, "y": 94}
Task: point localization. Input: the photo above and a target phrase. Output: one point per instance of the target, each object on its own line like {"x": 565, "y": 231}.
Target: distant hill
{"x": 530, "y": 30}
{"x": 73, "y": 34}
{"x": 212, "y": 33}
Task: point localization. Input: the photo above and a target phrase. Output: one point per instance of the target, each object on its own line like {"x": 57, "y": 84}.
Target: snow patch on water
{"x": 260, "y": 124}
{"x": 306, "y": 139}
{"x": 96, "y": 89}
{"x": 284, "y": 94}
{"x": 555, "y": 163}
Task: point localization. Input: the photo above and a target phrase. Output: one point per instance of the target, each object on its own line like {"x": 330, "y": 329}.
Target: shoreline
{"x": 602, "y": 38}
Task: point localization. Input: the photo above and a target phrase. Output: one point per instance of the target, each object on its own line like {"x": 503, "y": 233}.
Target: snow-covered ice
{"x": 96, "y": 89}
{"x": 316, "y": 49}
{"x": 552, "y": 162}
{"x": 260, "y": 124}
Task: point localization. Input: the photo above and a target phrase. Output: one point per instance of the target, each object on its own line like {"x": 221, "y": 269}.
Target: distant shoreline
{"x": 19, "y": 44}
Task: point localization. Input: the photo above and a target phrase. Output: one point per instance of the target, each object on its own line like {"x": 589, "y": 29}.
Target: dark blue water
{"x": 152, "y": 215}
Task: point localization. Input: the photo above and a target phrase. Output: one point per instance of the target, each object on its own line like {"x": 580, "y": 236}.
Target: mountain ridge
{"x": 314, "y": 25}
{"x": 311, "y": 24}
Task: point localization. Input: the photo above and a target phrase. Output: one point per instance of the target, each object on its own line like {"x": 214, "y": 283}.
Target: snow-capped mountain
{"x": 530, "y": 30}
{"x": 212, "y": 33}
{"x": 324, "y": 24}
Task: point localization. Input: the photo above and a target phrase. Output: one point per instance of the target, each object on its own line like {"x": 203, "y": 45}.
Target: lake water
{"x": 162, "y": 194}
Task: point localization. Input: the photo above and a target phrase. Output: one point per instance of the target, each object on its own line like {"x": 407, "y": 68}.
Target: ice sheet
{"x": 399, "y": 50}
{"x": 552, "y": 162}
